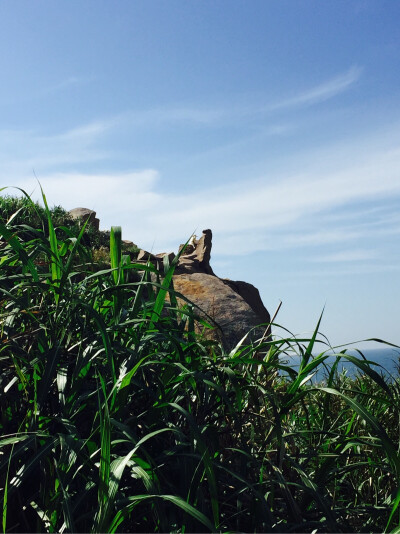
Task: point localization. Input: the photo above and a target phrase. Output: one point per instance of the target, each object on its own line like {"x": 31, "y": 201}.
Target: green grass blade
{"x": 307, "y": 355}
{"x": 27, "y": 467}
{"x": 101, "y": 325}
{"x": 68, "y": 265}
{"x": 105, "y": 460}
{"x": 51, "y": 359}
{"x": 66, "y": 504}
{"x": 19, "y": 249}
{"x": 364, "y": 366}
{"x": 55, "y": 261}
{"x": 165, "y": 285}
{"x": 379, "y": 431}
{"x": 395, "y": 506}
{"x": 175, "y": 500}
{"x": 116, "y": 253}
{"x": 5, "y": 494}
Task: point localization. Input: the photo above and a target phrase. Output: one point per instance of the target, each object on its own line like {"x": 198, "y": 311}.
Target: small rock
{"x": 127, "y": 243}
{"x": 85, "y": 214}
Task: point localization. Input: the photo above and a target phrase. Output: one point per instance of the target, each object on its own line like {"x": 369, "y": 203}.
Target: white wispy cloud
{"x": 245, "y": 217}
{"x": 87, "y": 132}
{"x": 70, "y": 81}
{"x": 111, "y": 195}
{"x": 286, "y": 211}
{"x": 254, "y": 204}
{"x": 22, "y": 151}
{"x": 343, "y": 269}
{"x": 178, "y": 114}
{"x": 207, "y": 116}
{"x": 323, "y": 91}
{"x": 346, "y": 256}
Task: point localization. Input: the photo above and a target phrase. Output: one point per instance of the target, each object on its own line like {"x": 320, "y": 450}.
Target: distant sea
{"x": 388, "y": 360}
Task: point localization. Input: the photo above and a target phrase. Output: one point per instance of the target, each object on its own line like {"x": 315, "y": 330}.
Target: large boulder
{"x": 229, "y": 311}
{"x": 235, "y": 307}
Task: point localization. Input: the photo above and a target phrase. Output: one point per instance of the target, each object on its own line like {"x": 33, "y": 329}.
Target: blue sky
{"x": 275, "y": 124}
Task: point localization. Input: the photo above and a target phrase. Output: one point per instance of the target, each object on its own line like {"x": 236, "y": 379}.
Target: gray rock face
{"x": 155, "y": 259}
{"x": 85, "y": 214}
{"x": 251, "y": 295}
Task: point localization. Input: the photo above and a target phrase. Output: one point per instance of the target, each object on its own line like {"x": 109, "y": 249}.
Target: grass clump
{"x": 116, "y": 416}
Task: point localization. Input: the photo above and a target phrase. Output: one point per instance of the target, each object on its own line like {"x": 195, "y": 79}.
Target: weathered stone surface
{"x": 146, "y": 256}
{"x": 236, "y": 307}
{"x": 156, "y": 259}
{"x": 128, "y": 243}
{"x": 170, "y": 255}
{"x": 251, "y": 295}
{"x": 85, "y": 214}
{"x": 233, "y": 315}
{"x": 197, "y": 255}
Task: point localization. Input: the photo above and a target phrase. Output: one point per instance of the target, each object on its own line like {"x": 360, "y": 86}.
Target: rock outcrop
{"x": 233, "y": 307}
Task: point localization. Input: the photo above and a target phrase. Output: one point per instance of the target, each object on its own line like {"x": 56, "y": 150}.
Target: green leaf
{"x": 54, "y": 259}
{"x": 165, "y": 285}
{"x": 26, "y": 468}
{"x": 310, "y": 346}
{"x": 380, "y": 432}
{"x": 105, "y": 461}
{"x": 177, "y": 501}
{"x": 104, "y": 335}
{"x": 395, "y": 505}
{"x": 116, "y": 252}
{"x": 19, "y": 249}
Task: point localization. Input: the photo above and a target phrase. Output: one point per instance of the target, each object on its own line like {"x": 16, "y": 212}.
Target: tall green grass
{"x": 117, "y": 417}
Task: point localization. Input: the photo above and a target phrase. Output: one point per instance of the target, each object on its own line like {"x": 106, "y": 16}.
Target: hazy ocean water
{"x": 386, "y": 358}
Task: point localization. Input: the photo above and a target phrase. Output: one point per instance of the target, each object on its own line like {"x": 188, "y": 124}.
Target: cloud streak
{"x": 67, "y": 83}
{"x": 346, "y": 256}
{"x": 21, "y": 152}
{"x": 207, "y": 116}
{"x": 324, "y": 91}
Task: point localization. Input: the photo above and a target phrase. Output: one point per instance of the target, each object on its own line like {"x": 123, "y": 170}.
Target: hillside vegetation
{"x": 117, "y": 417}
